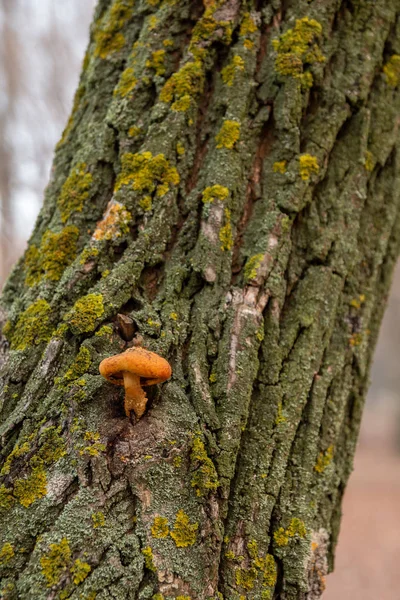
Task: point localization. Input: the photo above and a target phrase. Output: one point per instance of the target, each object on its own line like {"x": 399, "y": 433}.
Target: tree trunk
{"x": 228, "y": 179}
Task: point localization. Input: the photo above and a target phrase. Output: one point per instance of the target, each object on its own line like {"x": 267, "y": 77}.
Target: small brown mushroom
{"x": 134, "y": 368}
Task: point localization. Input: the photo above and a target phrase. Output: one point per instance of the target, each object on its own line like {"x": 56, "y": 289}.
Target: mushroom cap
{"x": 149, "y": 366}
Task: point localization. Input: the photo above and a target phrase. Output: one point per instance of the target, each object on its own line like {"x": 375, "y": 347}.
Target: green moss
{"x": 160, "y": 528}
{"x": 31, "y": 488}
{"x": 279, "y": 167}
{"x": 229, "y": 72}
{"x": 157, "y": 62}
{"x": 108, "y": 37}
{"x": 147, "y": 173}
{"x": 56, "y": 252}
{"x": 308, "y": 166}
{"x": 75, "y": 191}
{"x": 392, "y": 70}
{"x": 56, "y": 561}
{"x": 225, "y": 233}
{"x": 98, "y": 519}
{"x": 127, "y": 83}
{"x": 251, "y": 266}
{"x": 246, "y": 578}
{"x": 228, "y": 135}
{"x": 298, "y": 48}
{"x": 80, "y": 570}
{"x": 6, "y": 498}
{"x": 215, "y": 192}
{"x": 6, "y": 553}
{"x": 32, "y": 328}
{"x": 324, "y": 459}
{"x": 205, "y": 478}
{"x": 148, "y": 559}
{"x": 86, "y": 311}
{"x": 184, "y": 532}
{"x": 184, "y": 86}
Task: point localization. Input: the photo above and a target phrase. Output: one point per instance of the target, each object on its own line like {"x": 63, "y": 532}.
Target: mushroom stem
{"x": 135, "y": 396}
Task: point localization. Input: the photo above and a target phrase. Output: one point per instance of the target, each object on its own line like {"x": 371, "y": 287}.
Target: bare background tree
{"x": 42, "y": 43}
{"x": 41, "y": 49}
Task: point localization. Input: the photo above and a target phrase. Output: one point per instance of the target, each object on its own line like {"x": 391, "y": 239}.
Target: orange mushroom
{"x": 134, "y": 368}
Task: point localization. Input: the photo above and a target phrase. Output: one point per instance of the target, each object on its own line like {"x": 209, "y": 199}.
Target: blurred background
{"x": 42, "y": 44}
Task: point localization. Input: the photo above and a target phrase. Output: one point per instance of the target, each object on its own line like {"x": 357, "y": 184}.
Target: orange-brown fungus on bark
{"x": 134, "y": 368}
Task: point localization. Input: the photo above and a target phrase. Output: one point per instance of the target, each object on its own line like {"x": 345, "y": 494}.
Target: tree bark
{"x": 229, "y": 180}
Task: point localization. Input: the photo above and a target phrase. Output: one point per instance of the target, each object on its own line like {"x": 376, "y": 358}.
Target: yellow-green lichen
{"x": 392, "y": 70}
{"x": 247, "y": 25}
{"x": 75, "y": 191}
{"x": 157, "y": 597}
{"x": 279, "y": 167}
{"x": 160, "y": 528}
{"x": 146, "y": 203}
{"x": 105, "y": 330}
{"x": 215, "y": 192}
{"x": 6, "y": 553}
{"x": 126, "y": 83}
{"x": 205, "y": 478}
{"x": 108, "y": 37}
{"x": 296, "y": 528}
{"x": 98, "y": 519}
{"x": 252, "y": 265}
{"x": 147, "y": 173}
{"x": 88, "y": 254}
{"x": 134, "y": 131}
{"x": 32, "y": 328}
{"x": 180, "y": 149}
{"x": 56, "y": 252}
{"x": 228, "y": 135}
{"x": 6, "y": 498}
{"x": 94, "y": 447}
{"x": 79, "y": 367}
{"x": 246, "y": 578}
{"x": 369, "y": 161}
{"x": 280, "y": 418}
{"x": 148, "y": 559}
{"x": 229, "y": 72}
{"x": 80, "y": 570}
{"x": 225, "y": 233}
{"x": 31, "y": 488}
{"x": 358, "y": 302}
{"x": 18, "y": 451}
{"x": 56, "y": 561}
{"x": 298, "y": 48}
{"x": 184, "y": 532}
{"x": 114, "y": 224}
{"x": 324, "y": 459}
{"x": 184, "y": 86}
{"x": 157, "y": 62}
{"x": 308, "y": 165}
{"x": 86, "y": 311}
{"x": 207, "y": 25}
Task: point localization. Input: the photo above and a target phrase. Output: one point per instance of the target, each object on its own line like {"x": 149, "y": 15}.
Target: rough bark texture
{"x": 239, "y": 199}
